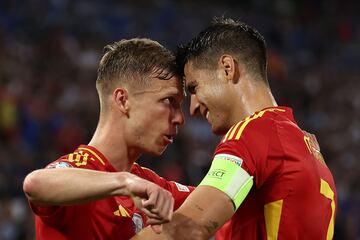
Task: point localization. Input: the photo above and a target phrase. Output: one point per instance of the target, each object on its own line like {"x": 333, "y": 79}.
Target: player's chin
{"x": 218, "y": 130}
{"x": 157, "y": 151}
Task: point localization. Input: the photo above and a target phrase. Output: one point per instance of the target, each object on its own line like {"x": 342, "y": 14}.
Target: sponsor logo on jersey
{"x": 227, "y": 157}
{"x": 138, "y": 222}
{"x": 121, "y": 212}
{"x": 217, "y": 173}
{"x": 182, "y": 188}
{"x": 60, "y": 165}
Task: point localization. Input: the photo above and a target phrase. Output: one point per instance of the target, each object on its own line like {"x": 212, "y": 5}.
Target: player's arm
{"x": 210, "y": 205}
{"x": 179, "y": 191}
{"x": 67, "y": 186}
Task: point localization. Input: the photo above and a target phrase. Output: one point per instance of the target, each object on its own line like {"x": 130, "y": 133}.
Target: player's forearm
{"x": 73, "y": 186}
{"x": 181, "y": 227}
{"x": 205, "y": 211}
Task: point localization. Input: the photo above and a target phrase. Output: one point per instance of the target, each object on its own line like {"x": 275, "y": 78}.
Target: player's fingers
{"x": 153, "y": 195}
{"x": 161, "y": 200}
{"x": 149, "y": 214}
{"x": 149, "y": 210}
{"x": 154, "y": 221}
{"x": 161, "y": 208}
{"x": 157, "y": 220}
{"x": 171, "y": 209}
{"x": 166, "y": 209}
{"x": 157, "y": 228}
{"x": 137, "y": 201}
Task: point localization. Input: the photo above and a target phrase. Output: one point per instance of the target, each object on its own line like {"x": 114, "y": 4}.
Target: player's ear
{"x": 229, "y": 68}
{"x": 121, "y": 99}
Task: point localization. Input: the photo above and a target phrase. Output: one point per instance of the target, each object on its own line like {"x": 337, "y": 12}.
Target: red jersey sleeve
{"x": 78, "y": 159}
{"x": 179, "y": 192}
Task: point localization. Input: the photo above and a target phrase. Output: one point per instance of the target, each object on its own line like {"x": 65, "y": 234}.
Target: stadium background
{"x": 49, "y": 51}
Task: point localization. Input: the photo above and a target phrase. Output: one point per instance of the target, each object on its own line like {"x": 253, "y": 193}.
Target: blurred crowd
{"x": 49, "y": 51}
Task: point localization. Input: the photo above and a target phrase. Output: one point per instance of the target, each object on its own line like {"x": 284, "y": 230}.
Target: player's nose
{"x": 179, "y": 118}
{"x": 194, "y": 105}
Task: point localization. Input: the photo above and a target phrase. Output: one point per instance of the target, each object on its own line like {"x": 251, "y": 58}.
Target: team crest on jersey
{"x": 138, "y": 222}
{"x": 60, "y": 165}
{"x": 227, "y": 157}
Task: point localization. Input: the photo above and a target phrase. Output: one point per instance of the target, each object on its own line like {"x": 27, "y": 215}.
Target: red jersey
{"x": 294, "y": 195}
{"x": 109, "y": 218}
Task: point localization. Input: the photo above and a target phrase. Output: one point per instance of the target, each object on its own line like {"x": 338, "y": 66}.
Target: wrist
{"x": 123, "y": 181}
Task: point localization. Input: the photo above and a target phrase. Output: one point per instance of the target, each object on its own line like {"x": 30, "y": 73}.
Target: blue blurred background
{"x": 49, "y": 51}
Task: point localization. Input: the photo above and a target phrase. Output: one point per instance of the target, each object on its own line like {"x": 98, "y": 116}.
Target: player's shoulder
{"x": 260, "y": 122}
{"x": 82, "y": 157}
{"x": 61, "y": 162}
{"x": 143, "y": 172}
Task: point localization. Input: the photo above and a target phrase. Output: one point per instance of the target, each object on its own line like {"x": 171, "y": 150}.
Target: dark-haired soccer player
{"x": 87, "y": 194}
{"x": 267, "y": 174}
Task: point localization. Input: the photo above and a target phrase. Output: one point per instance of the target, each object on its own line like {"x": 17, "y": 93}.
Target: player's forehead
{"x": 193, "y": 75}
{"x": 172, "y": 86}
{"x": 189, "y": 73}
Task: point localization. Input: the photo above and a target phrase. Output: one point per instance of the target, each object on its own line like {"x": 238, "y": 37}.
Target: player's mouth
{"x": 168, "y": 139}
{"x": 205, "y": 113}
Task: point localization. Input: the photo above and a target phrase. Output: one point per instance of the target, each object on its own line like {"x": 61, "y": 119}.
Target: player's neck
{"x": 108, "y": 140}
{"x": 256, "y": 98}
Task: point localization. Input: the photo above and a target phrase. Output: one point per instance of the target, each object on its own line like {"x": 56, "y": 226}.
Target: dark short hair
{"x": 131, "y": 62}
{"x": 237, "y": 38}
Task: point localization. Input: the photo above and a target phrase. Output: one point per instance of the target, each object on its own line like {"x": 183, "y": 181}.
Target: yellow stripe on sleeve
{"x": 242, "y": 124}
{"x": 253, "y": 117}
{"x": 227, "y": 134}
{"x": 234, "y": 130}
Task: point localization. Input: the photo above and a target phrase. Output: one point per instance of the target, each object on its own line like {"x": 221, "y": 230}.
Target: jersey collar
{"x": 288, "y": 112}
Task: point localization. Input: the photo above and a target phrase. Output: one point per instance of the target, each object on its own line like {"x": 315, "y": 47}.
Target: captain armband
{"x": 227, "y": 175}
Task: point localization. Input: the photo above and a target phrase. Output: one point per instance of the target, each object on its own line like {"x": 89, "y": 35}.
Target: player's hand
{"x": 156, "y": 202}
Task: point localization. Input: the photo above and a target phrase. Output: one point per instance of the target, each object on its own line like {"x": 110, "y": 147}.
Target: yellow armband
{"x": 227, "y": 175}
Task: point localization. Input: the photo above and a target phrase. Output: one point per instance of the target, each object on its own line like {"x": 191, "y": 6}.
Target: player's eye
{"x": 191, "y": 89}
{"x": 168, "y": 100}
{"x": 172, "y": 102}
